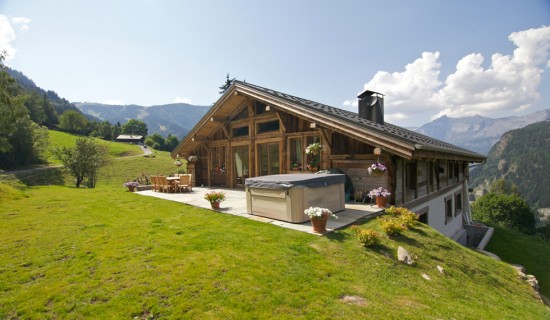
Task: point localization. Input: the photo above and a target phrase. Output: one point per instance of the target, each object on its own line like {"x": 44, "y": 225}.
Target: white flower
{"x": 319, "y": 212}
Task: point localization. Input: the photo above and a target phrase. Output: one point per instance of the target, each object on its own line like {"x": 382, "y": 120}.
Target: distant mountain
{"x": 478, "y": 133}
{"x": 60, "y": 104}
{"x": 176, "y": 119}
{"x": 521, "y": 157}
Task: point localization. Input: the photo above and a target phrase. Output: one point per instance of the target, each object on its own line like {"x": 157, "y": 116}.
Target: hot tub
{"x": 286, "y": 196}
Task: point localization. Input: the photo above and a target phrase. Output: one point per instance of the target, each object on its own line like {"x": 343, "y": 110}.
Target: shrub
{"x": 396, "y": 211}
{"x": 509, "y": 211}
{"x": 392, "y": 226}
{"x": 369, "y": 237}
{"x": 408, "y": 219}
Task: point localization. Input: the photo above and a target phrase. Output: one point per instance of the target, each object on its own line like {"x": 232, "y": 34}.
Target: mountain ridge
{"x": 478, "y": 133}
{"x": 521, "y": 157}
{"x": 175, "y": 118}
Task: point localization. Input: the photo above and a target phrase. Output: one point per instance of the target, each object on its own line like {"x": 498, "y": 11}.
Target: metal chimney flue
{"x": 371, "y": 106}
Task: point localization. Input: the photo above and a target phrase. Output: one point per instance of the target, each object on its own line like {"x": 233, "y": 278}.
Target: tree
{"x": 227, "y": 84}
{"x": 22, "y": 141}
{"x": 83, "y": 160}
{"x": 500, "y": 186}
{"x": 135, "y": 127}
{"x": 155, "y": 141}
{"x": 171, "y": 142}
{"x": 73, "y": 121}
{"x": 509, "y": 211}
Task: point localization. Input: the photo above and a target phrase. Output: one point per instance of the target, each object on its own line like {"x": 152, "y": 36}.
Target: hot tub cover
{"x": 287, "y": 181}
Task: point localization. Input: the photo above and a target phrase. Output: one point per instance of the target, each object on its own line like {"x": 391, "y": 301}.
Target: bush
{"x": 406, "y": 217}
{"x": 396, "y": 211}
{"x": 392, "y": 226}
{"x": 509, "y": 211}
{"x": 366, "y": 237}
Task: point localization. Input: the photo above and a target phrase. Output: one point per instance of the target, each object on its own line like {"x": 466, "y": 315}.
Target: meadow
{"x": 108, "y": 253}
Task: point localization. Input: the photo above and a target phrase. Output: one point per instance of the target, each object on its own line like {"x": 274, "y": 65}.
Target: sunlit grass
{"x": 107, "y": 253}
{"x": 115, "y": 149}
{"x": 529, "y": 251}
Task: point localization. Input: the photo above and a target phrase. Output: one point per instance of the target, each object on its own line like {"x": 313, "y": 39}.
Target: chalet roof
{"x": 404, "y": 142}
{"x": 129, "y": 137}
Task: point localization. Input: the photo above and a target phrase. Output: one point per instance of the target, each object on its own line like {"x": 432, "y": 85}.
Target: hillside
{"x": 478, "y": 133}
{"x": 176, "y": 119}
{"x": 521, "y": 157}
{"x": 61, "y": 105}
{"x": 110, "y": 254}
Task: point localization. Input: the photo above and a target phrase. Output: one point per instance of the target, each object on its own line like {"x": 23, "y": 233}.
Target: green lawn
{"x": 116, "y": 149}
{"x": 107, "y": 253}
{"x": 529, "y": 251}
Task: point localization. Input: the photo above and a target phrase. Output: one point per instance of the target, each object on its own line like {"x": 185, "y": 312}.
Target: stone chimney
{"x": 371, "y": 106}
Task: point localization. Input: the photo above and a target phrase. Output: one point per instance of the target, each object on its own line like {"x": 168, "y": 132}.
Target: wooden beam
{"x": 225, "y": 131}
{"x": 281, "y": 121}
{"x": 326, "y": 136}
{"x": 218, "y": 119}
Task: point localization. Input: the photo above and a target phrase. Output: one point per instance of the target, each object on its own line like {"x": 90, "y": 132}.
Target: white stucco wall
{"x": 436, "y": 212}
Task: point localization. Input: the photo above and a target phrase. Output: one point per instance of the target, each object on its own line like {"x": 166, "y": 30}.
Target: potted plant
{"x": 314, "y": 148}
{"x": 215, "y": 197}
{"x": 381, "y": 195}
{"x": 131, "y": 185}
{"x": 319, "y": 217}
{"x": 377, "y": 169}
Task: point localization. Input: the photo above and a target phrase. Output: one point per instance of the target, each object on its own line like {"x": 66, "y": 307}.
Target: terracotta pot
{"x": 319, "y": 223}
{"x": 215, "y": 205}
{"x": 381, "y": 201}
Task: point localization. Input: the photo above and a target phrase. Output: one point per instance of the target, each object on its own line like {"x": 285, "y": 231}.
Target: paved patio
{"x": 235, "y": 204}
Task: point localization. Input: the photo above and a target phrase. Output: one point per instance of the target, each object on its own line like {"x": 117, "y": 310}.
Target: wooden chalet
{"x": 254, "y": 131}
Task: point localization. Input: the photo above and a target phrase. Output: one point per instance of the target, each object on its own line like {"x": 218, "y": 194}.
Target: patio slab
{"x": 235, "y": 204}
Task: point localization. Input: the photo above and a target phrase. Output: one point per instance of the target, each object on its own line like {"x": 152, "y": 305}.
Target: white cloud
{"x": 113, "y": 102}
{"x": 22, "y": 22}
{"x": 510, "y": 84}
{"x": 182, "y": 100}
{"x": 7, "y": 35}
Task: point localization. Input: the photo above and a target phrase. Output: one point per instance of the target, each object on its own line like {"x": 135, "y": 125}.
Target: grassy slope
{"x": 529, "y": 251}
{"x": 116, "y": 149}
{"x": 109, "y": 253}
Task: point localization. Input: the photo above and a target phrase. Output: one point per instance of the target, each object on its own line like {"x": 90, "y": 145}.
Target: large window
{"x": 268, "y": 158}
{"x": 269, "y": 126}
{"x": 296, "y": 154}
{"x": 240, "y": 132}
{"x": 218, "y": 159}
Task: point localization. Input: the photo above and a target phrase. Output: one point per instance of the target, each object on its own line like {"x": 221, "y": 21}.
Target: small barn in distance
{"x": 130, "y": 139}
{"x": 255, "y": 131}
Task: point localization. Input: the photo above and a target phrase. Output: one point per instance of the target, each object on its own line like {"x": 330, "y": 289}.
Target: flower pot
{"x": 319, "y": 223}
{"x": 381, "y": 201}
{"x": 378, "y": 173}
{"x": 215, "y": 205}
{"x": 131, "y": 188}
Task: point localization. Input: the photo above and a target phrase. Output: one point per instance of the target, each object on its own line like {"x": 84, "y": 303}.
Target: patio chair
{"x": 190, "y": 181}
{"x": 184, "y": 183}
{"x": 154, "y": 183}
{"x": 165, "y": 186}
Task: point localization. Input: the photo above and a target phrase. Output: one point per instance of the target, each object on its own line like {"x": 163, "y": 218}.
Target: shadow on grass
{"x": 45, "y": 177}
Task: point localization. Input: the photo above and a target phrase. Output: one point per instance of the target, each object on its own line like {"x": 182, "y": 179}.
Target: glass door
{"x": 240, "y": 157}
{"x": 268, "y": 159}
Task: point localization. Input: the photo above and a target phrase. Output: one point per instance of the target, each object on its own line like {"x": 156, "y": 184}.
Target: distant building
{"x": 130, "y": 139}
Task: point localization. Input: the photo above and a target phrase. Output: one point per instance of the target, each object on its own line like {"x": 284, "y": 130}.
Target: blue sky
{"x": 430, "y": 58}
